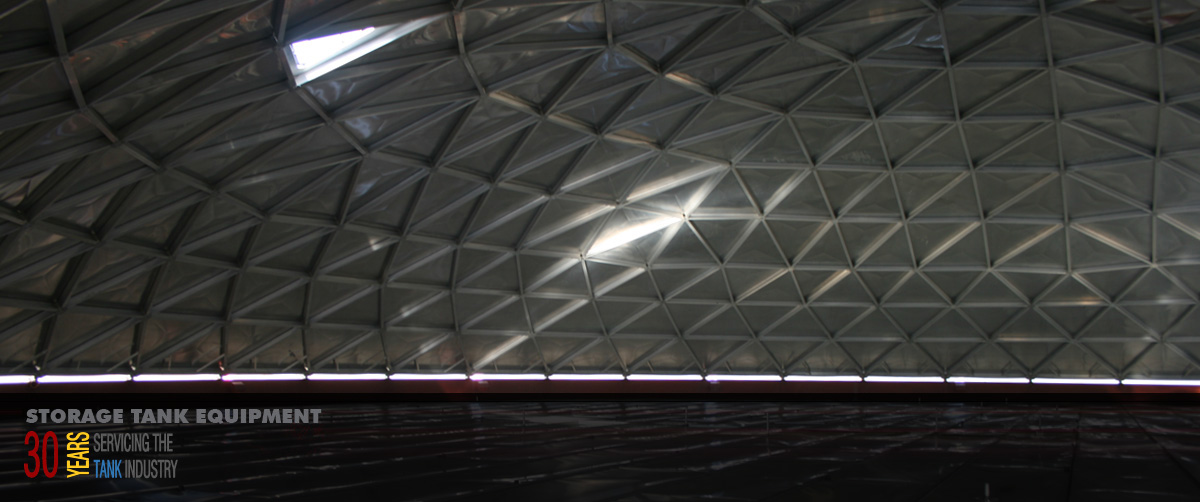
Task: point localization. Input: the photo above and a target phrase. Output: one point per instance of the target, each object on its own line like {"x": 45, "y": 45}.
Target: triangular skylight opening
{"x": 312, "y": 52}
{"x": 314, "y": 57}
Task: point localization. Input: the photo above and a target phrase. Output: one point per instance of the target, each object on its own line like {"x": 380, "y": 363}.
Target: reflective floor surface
{"x": 642, "y": 452}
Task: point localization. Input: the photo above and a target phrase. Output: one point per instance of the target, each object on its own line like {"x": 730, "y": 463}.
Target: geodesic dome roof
{"x": 815, "y": 187}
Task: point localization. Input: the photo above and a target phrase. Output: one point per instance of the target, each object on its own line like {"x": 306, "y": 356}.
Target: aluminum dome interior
{"x": 872, "y": 187}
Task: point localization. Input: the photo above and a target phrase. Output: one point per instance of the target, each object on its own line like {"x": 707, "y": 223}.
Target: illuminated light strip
{"x": 1139, "y": 381}
{"x": 676, "y": 378}
{"x": 347, "y": 376}
{"x": 428, "y": 376}
{"x": 187, "y": 377}
{"x": 743, "y": 378}
{"x": 1078, "y": 381}
{"x": 15, "y": 379}
{"x": 479, "y": 377}
{"x": 905, "y": 379}
{"x": 82, "y": 378}
{"x": 822, "y": 378}
{"x": 987, "y": 380}
{"x": 252, "y": 377}
{"x": 575, "y": 376}
{"x": 209, "y": 377}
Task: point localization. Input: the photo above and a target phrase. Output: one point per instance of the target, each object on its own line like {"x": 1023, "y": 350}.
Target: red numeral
{"x": 50, "y": 436}
{"x": 33, "y": 453}
{"x": 40, "y": 463}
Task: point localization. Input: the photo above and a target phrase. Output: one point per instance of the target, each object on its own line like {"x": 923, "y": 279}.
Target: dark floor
{"x": 673, "y": 452}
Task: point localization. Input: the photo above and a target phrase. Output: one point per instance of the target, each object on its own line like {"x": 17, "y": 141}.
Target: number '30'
{"x": 41, "y": 463}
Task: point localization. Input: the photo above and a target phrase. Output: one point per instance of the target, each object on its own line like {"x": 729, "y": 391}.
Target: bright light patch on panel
{"x": 625, "y": 236}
